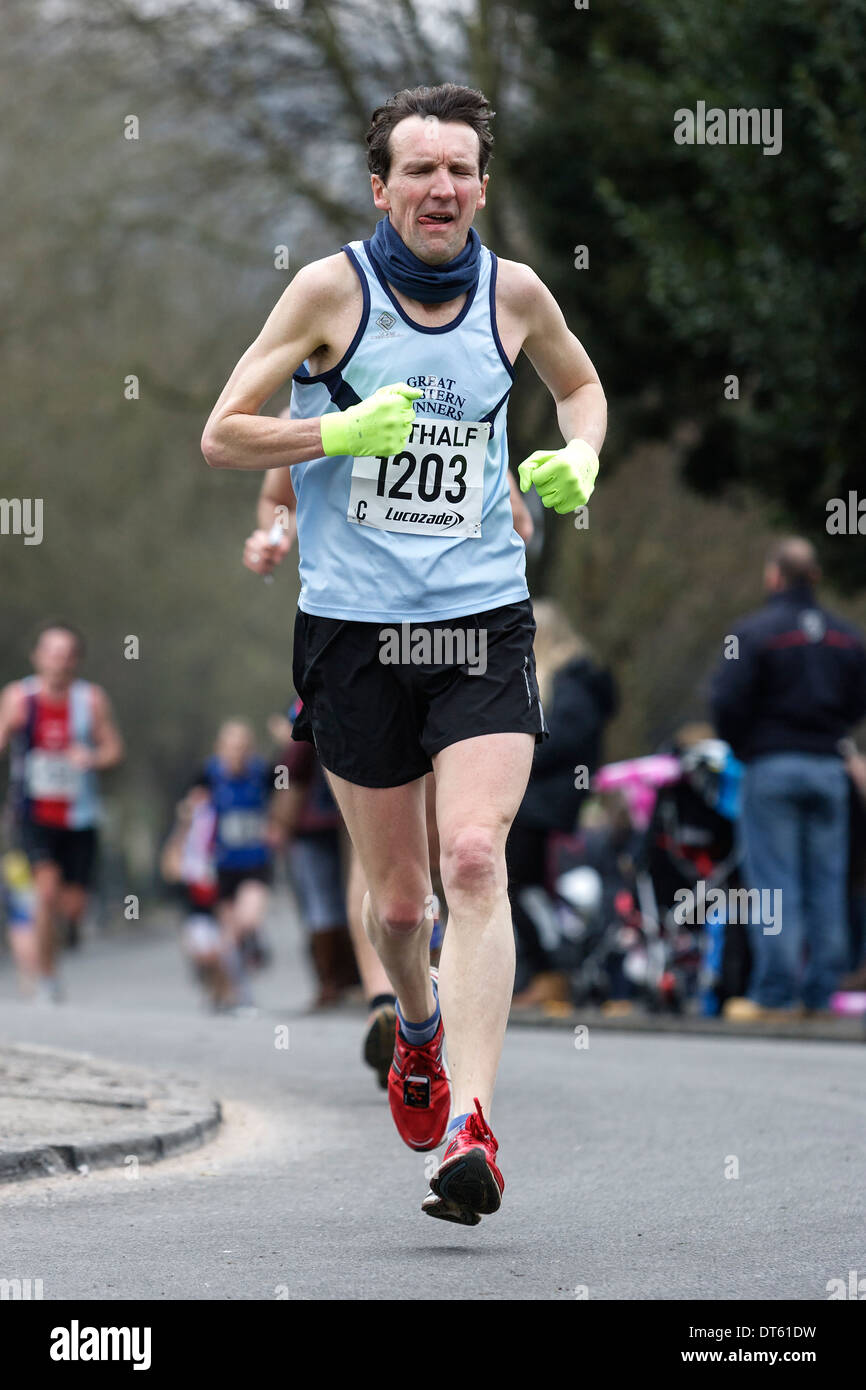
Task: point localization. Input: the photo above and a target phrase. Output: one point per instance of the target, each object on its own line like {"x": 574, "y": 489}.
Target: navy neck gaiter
{"x": 431, "y": 284}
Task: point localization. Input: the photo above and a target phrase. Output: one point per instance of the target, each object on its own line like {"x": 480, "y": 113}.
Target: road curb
{"x": 68, "y": 1112}
{"x": 844, "y": 1030}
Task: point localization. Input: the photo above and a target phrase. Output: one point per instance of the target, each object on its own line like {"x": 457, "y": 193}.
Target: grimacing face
{"x": 434, "y": 188}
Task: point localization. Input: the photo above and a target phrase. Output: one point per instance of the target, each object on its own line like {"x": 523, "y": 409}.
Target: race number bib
{"x": 240, "y": 829}
{"x": 51, "y": 776}
{"x": 433, "y": 487}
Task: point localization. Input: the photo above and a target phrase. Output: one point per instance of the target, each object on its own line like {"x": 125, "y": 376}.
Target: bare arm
{"x": 236, "y": 436}
{"x": 855, "y": 764}
{"x": 170, "y": 859}
{"x": 277, "y": 502}
{"x": 561, "y": 362}
{"x": 520, "y": 514}
{"x": 108, "y": 749}
{"x": 12, "y": 712}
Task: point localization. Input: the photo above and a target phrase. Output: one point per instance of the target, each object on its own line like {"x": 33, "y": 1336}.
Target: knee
{"x": 471, "y": 860}
{"x": 48, "y": 890}
{"x": 400, "y": 915}
{"x": 250, "y": 902}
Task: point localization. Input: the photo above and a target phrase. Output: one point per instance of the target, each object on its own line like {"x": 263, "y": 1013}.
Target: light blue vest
{"x": 365, "y": 574}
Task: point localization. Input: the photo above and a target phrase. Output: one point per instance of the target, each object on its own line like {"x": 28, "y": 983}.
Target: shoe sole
{"x": 468, "y": 1186}
{"x": 379, "y": 1044}
{"x": 447, "y": 1211}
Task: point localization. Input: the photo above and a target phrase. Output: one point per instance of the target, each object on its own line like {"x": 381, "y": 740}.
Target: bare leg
{"x": 388, "y": 829}
{"x": 480, "y": 783}
{"x": 374, "y": 977}
{"x": 46, "y": 883}
{"x": 250, "y": 906}
{"x": 25, "y": 953}
{"x": 73, "y": 905}
{"x": 215, "y": 978}
{"x": 225, "y": 912}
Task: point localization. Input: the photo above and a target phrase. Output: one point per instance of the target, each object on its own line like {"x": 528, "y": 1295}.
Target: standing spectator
{"x": 793, "y": 688}
{"x": 579, "y": 697}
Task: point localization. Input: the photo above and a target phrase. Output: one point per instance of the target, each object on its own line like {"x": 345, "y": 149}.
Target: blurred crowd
{"x": 723, "y": 872}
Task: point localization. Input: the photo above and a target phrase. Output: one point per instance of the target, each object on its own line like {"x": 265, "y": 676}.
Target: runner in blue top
{"x": 413, "y": 638}
{"x": 240, "y": 784}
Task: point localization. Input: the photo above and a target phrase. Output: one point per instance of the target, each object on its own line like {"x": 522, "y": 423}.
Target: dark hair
{"x": 61, "y": 626}
{"x": 448, "y": 102}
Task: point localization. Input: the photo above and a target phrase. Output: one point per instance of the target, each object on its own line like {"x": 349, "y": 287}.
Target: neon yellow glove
{"x": 378, "y": 425}
{"x": 564, "y": 478}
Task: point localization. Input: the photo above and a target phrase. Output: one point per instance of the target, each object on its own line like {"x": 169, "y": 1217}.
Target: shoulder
{"x": 326, "y": 282}
{"x": 317, "y": 297}
{"x": 524, "y": 302}
{"x": 835, "y": 620}
{"x": 758, "y": 621}
{"x": 519, "y": 287}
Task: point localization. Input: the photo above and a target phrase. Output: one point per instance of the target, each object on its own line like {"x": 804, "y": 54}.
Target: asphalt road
{"x": 615, "y": 1158}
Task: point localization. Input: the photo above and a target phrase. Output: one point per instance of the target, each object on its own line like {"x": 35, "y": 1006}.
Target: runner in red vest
{"x": 62, "y": 732}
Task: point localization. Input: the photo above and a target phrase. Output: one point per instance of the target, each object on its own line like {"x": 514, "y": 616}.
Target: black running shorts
{"x": 230, "y": 880}
{"x": 73, "y": 851}
{"x": 380, "y": 699}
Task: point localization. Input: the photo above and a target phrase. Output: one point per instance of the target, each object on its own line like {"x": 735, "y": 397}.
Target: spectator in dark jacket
{"x": 792, "y": 684}
{"x": 578, "y": 697}
{"x": 855, "y": 763}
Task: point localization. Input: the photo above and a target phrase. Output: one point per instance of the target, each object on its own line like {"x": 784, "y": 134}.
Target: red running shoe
{"x": 468, "y": 1184}
{"x": 419, "y": 1091}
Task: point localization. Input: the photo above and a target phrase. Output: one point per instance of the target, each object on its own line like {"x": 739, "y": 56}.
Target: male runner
{"x": 63, "y": 733}
{"x": 277, "y": 501}
{"x": 405, "y": 518}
